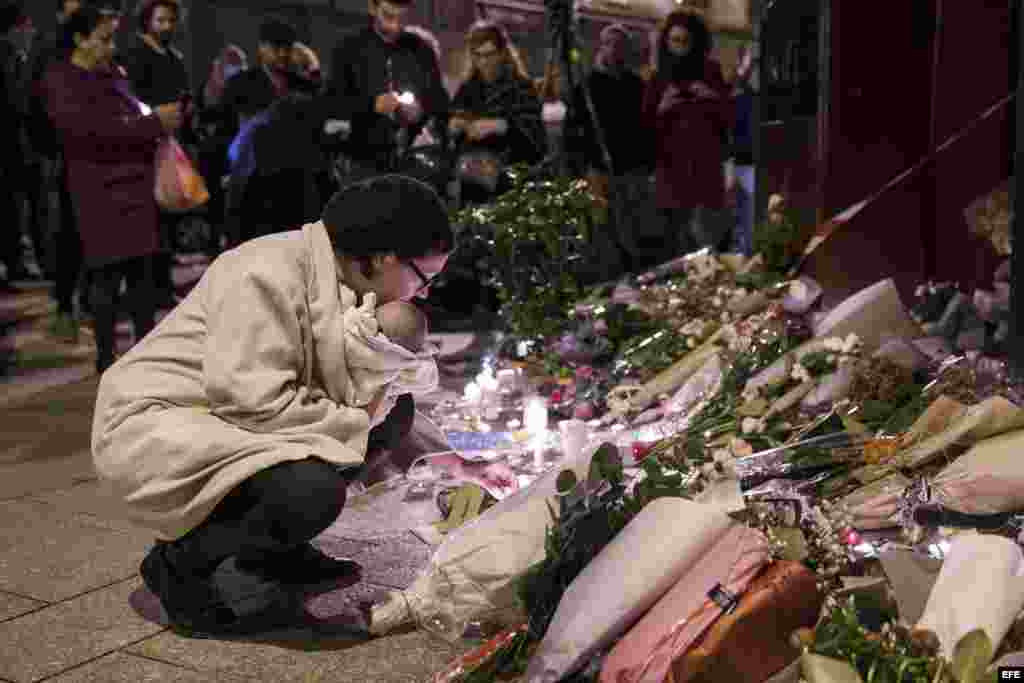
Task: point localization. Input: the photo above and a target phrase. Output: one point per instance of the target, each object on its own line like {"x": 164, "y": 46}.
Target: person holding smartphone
{"x": 156, "y": 70}
{"x": 688, "y": 107}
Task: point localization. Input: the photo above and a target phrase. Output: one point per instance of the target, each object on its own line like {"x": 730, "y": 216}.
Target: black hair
{"x": 691, "y": 66}
{"x": 11, "y": 14}
{"x": 84, "y": 22}
{"x": 144, "y": 11}
{"x": 277, "y": 32}
{"x": 388, "y": 214}
{"x": 400, "y": 3}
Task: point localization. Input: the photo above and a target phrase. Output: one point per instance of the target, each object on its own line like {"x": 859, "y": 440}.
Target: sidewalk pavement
{"x": 73, "y": 608}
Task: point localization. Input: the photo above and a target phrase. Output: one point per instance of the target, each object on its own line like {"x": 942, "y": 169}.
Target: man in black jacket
{"x": 16, "y": 33}
{"x": 387, "y": 83}
{"x": 617, "y": 95}
{"x": 270, "y": 79}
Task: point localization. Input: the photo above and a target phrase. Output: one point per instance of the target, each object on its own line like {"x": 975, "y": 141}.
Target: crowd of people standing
{"x": 275, "y": 136}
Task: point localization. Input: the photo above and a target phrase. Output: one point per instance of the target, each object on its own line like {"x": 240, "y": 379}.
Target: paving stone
{"x": 25, "y": 478}
{"x": 382, "y": 512}
{"x": 26, "y": 521}
{"x": 411, "y": 657}
{"x": 95, "y": 498}
{"x": 65, "y": 558}
{"x": 387, "y": 561}
{"x": 127, "y": 668}
{"x": 59, "y": 637}
{"x": 15, "y": 605}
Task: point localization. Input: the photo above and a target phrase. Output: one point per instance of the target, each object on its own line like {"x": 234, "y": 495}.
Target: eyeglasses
{"x": 427, "y": 282}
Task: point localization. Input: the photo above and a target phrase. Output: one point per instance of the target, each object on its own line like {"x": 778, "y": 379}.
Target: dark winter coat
{"x": 690, "y": 142}
{"x": 156, "y": 78}
{"x": 109, "y": 149}
{"x": 359, "y": 73}
{"x": 515, "y": 100}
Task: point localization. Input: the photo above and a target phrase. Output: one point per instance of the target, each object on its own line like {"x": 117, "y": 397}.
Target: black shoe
{"x": 303, "y": 565}
{"x": 192, "y": 603}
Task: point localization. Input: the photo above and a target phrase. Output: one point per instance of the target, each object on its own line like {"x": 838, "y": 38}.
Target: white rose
{"x": 721, "y": 455}
{"x": 749, "y": 425}
{"x": 852, "y": 342}
{"x": 716, "y": 302}
{"x": 674, "y": 301}
{"x": 833, "y": 344}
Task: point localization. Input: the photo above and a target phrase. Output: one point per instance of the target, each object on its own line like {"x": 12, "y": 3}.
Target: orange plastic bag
{"x": 179, "y": 187}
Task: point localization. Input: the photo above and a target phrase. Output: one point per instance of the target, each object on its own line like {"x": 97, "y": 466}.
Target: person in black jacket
{"x": 62, "y": 259}
{"x": 271, "y": 78}
{"x": 387, "y": 83}
{"x": 156, "y": 70}
{"x": 497, "y": 110}
{"x": 16, "y": 33}
{"x": 617, "y": 94}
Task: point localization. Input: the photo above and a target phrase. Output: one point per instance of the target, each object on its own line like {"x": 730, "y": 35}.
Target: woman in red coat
{"x": 688, "y": 107}
{"x": 109, "y": 141}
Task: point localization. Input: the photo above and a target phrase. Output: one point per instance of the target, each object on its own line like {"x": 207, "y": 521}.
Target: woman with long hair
{"x": 497, "y": 108}
{"x": 688, "y": 108}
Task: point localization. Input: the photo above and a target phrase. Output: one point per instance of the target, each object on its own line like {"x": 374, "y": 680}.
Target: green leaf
{"x": 971, "y": 656}
{"x": 819, "y": 669}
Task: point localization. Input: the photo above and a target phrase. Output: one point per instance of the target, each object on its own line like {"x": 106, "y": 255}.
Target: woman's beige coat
{"x": 247, "y": 372}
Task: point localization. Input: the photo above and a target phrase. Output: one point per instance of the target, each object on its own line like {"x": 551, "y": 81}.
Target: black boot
{"x": 192, "y": 602}
{"x": 303, "y": 565}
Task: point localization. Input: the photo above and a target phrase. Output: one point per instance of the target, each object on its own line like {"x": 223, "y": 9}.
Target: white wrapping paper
{"x": 624, "y": 581}
{"x": 471, "y": 574}
{"x": 981, "y": 585}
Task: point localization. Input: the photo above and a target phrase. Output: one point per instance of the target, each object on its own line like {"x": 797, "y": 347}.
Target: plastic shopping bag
{"x": 179, "y": 187}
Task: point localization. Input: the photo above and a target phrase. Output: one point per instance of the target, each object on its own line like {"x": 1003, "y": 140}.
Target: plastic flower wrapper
{"x": 472, "y": 573}
{"x": 988, "y": 479}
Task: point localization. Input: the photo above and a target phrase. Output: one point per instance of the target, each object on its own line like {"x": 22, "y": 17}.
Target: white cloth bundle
{"x": 374, "y": 361}
{"x": 471, "y": 574}
{"x": 981, "y": 585}
{"x": 987, "y": 479}
{"x": 624, "y": 581}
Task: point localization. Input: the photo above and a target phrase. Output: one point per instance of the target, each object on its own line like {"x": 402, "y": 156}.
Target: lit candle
{"x": 535, "y": 417}
{"x": 472, "y": 394}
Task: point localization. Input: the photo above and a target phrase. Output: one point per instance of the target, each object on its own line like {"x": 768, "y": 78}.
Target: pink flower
{"x": 601, "y": 327}
{"x": 584, "y": 372}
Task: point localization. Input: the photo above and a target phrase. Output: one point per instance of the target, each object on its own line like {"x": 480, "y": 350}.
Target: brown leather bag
{"x": 752, "y": 643}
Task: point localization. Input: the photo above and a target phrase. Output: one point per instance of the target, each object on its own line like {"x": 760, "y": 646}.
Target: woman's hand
{"x": 495, "y": 477}
{"x": 171, "y": 116}
{"x": 670, "y": 98}
{"x": 377, "y": 403}
{"x": 700, "y": 90}
{"x": 485, "y": 128}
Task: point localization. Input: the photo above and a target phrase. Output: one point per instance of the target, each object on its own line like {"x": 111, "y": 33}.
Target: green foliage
{"x": 818, "y": 362}
{"x": 780, "y": 243}
{"x": 582, "y": 529}
{"x": 890, "y": 659}
{"x": 529, "y": 239}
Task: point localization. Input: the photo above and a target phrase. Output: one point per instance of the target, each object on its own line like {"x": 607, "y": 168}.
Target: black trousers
{"x": 280, "y": 508}
{"x": 69, "y": 270}
{"x": 105, "y": 299}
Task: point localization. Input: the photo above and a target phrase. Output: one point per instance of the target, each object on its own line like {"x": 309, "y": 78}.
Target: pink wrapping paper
{"x": 646, "y": 652}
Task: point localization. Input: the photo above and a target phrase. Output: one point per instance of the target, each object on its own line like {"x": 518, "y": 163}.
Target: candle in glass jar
{"x": 472, "y": 393}
{"x": 535, "y": 415}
